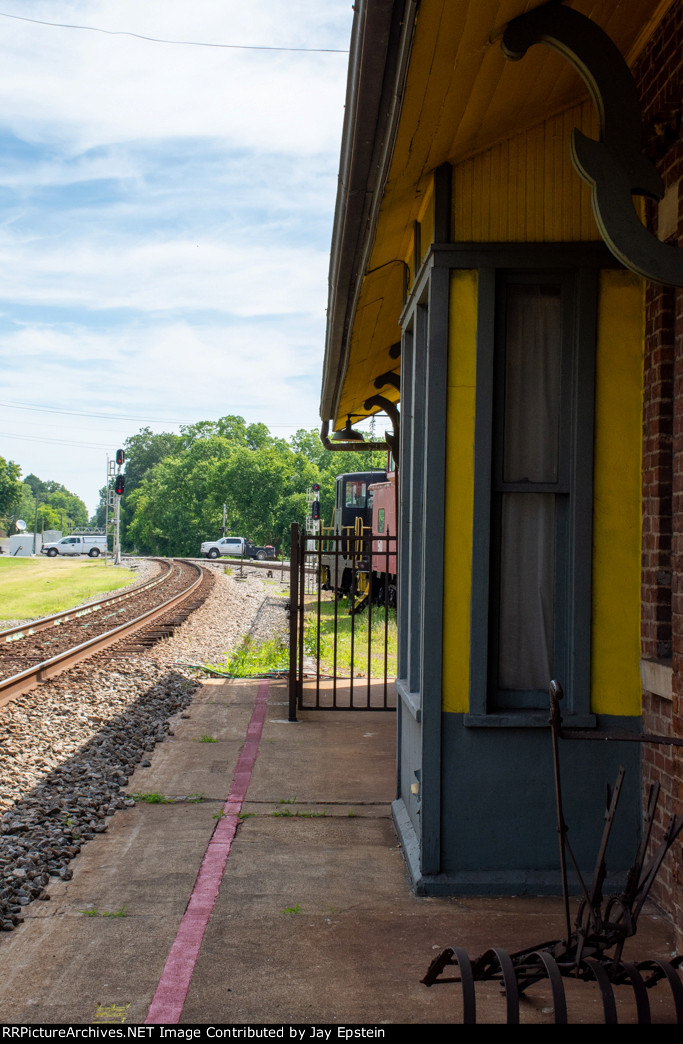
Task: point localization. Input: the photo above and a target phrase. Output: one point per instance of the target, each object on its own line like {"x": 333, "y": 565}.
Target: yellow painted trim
{"x": 615, "y": 651}
{"x": 427, "y": 227}
{"x": 427, "y": 201}
{"x": 459, "y": 494}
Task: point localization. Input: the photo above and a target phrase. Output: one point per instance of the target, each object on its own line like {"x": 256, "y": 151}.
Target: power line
{"x": 179, "y": 43}
{"x": 33, "y": 408}
{"x": 86, "y": 413}
{"x": 60, "y": 442}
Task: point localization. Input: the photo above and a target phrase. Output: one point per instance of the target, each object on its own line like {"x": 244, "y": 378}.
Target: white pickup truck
{"x": 76, "y": 545}
{"x": 236, "y": 547}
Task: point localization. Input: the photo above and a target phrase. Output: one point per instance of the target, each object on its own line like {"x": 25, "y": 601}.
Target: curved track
{"x": 149, "y": 611}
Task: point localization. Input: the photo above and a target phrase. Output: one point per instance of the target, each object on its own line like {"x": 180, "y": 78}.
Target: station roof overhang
{"x": 428, "y": 84}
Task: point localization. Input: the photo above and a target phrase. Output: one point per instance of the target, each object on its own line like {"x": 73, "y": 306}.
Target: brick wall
{"x": 659, "y": 75}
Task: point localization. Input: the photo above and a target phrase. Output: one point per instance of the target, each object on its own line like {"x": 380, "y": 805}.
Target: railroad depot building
{"x": 507, "y": 240}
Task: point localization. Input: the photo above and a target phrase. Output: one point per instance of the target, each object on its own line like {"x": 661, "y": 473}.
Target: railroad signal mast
{"x": 313, "y": 512}
{"x": 115, "y": 485}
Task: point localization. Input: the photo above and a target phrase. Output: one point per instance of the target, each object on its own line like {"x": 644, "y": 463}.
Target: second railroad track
{"x": 132, "y": 620}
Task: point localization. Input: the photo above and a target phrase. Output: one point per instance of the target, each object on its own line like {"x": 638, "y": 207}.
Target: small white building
{"x": 21, "y": 544}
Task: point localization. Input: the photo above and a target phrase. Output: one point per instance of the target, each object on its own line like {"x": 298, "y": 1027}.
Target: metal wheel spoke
{"x": 608, "y": 1002}
{"x": 640, "y": 992}
{"x": 469, "y": 1000}
{"x": 556, "y": 985}
{"x": 676, "y": 986}
{"x": 510, "y": 984}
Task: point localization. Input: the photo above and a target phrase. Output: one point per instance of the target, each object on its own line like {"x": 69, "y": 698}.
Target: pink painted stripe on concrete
{"x": 169, "y": 998}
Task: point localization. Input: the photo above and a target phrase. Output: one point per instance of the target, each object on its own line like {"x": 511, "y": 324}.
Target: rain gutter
{"x": 381, "y": 42}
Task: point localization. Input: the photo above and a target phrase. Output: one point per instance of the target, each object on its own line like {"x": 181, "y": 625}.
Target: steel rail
{"x": 13, "y": 634}
{"x": 26, "y": 680}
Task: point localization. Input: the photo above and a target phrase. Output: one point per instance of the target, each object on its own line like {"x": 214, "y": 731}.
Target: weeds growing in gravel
{"x": 153, "y": 798}
{"x": 323, "y": 645}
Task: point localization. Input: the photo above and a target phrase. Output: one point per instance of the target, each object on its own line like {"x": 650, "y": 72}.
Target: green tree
{"x": 57, "y": 508}
{"x": 10, "y": 487}
{"x": 176, "y": 485}
{"x": 174, "y": 507}
{"x": 68, "y": 506}
{"x": 143, "y": 452}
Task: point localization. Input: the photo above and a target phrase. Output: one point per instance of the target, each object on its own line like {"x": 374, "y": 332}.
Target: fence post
{"x": 293, "y": 617}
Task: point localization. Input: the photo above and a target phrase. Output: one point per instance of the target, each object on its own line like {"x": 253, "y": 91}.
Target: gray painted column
{"x": 436, "y": 391}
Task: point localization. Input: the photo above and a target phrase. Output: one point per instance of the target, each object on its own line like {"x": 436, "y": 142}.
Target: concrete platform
{"x": 314, "y": 922}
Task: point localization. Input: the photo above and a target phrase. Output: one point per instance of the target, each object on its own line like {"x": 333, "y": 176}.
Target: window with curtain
{"x": 529, "y": 494}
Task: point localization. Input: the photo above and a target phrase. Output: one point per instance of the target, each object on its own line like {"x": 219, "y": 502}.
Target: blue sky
{"x": 165, "y": 219}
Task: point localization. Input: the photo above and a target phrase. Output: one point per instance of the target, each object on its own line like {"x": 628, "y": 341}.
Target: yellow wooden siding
{"x": 459, "y": 492}
{"x": 615, "y": 648}
{"x": 525, "y": 188}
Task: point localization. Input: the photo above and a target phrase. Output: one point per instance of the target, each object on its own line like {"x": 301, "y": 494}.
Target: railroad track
{"x": 131, "y": 621}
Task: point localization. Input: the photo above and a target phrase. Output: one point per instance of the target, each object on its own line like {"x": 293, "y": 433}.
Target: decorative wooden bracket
{"x": 391, "y": 409}
{"x": 614, "y": 166}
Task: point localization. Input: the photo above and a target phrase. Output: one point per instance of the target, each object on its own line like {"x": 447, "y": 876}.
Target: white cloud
{"x": 165, "y": 215}
{"x": 189, "y": 368}
{"x": 167, "y": 276}
{"x": 156, "y": 375}
{"x": 87, "y": 89}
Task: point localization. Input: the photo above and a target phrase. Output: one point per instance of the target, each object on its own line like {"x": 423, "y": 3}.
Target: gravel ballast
{"x": 69, "y": 746}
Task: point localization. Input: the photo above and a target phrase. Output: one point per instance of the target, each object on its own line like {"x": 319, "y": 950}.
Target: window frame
{"x": 574, "y": 606}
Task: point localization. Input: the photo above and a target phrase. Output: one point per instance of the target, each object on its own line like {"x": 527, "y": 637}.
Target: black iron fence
{"x": 342, "y": 621}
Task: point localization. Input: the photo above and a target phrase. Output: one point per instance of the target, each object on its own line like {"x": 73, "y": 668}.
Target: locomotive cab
{"x": 353, "y": 500}
{"x": 349, "y": 562}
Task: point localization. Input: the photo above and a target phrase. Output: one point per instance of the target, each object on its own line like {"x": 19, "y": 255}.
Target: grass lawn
{"x": 33, "y": 587}
{"x": 345, "y": 624}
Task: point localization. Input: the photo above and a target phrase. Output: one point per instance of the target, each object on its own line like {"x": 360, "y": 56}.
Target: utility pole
{"x": 106, "y": 509}
{"x": 117, "y": 541}
{"x": 35, "y": 526}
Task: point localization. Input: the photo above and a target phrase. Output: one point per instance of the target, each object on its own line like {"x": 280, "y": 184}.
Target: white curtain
{"x": 530, "y": 455}
{"x": 527, "y": 581}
